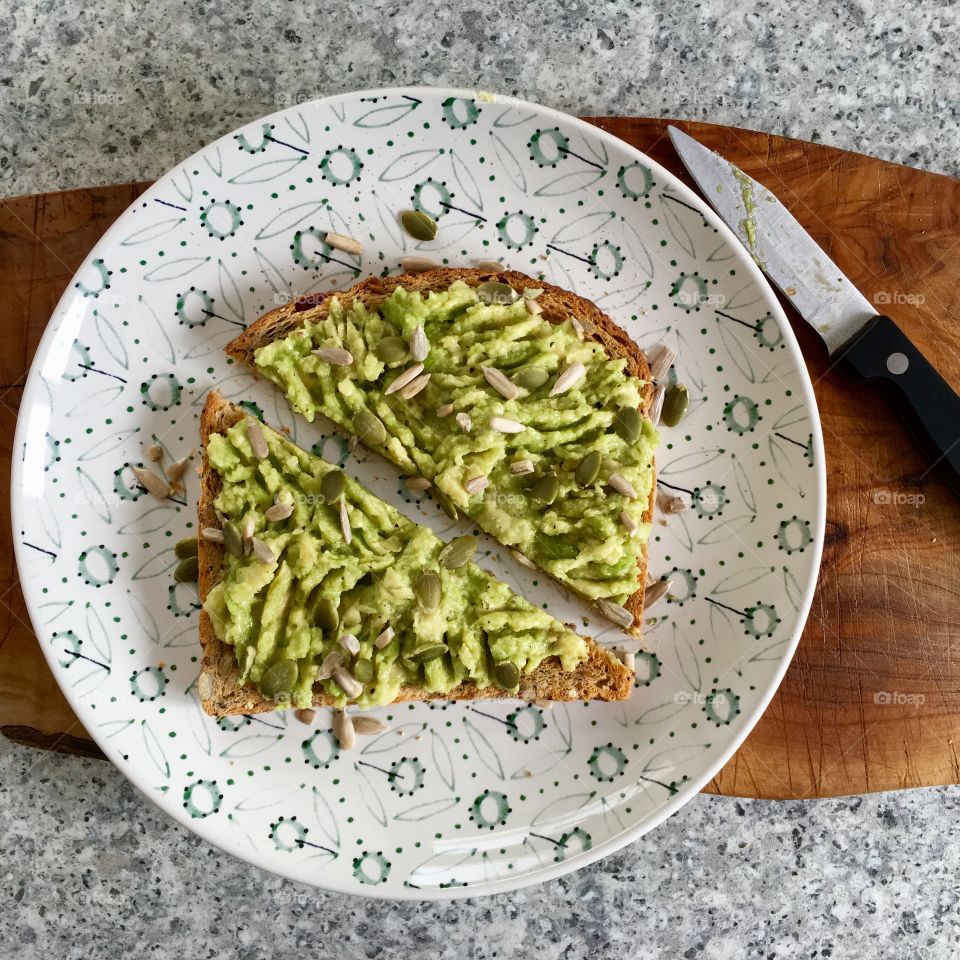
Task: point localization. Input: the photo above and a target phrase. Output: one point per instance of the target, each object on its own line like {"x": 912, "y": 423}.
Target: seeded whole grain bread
{"x": 600, "y": 677}
{"x": 557, "y": 304}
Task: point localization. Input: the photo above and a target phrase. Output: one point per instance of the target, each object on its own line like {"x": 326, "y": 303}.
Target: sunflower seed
{"x": 262, "y": 551}
{"x": 503, "y": 425}
{"x": 176, "y": 470}
{"x": 258, "y": 442}
{"x": 212, "y": 535}
{"x": 625, "y": 657}
{"x": 330, "y": 663}
{"x": 306, "y": 716}
{"x": 350, "y": 643}
{"x": 343, "y": 729}
{"x": 629, "y": 524}
{"x": 531, "y": 293}
{"x": 520, "y": 468}
{"x": 464, "y": 421}
{"x": 352, "y": 444}
{"x": 155, "y": 452}
{"x": 418, "y": 484}
{"x": 408, "y": 376}
{"x": 420, "y": 225}
{"x": 522, "y": 560}
{"x": 501, "y": 383}
{"x": 385, "y": 637}
{"x": 347, "y": 244}
{"x": 348, "y": 682}
{"x": 656, "y": 404}
{"x": 569, "y": 378}
{"x": 335, "y": 355}
{"x": 414, "y": 387}
{"x": 656, "y": 592}
{"x": 279, "y": 511}
{"x": 491, "y": 266}
{"x": 543, "y": 704}
{"x": 419, "y": 344}
{"x": 476, "y": 484}
{"x": 533, "y": 307}
{"x": 578, "y": 328}
{"x": 660, "y": 360}
{"x": 418, "y": 264}
{"x": 444, "y": 410}
{"x": 345, "y": 521}
{"x": 672, "y": 504}
{"x": 246, "y": 531}
{"x": 621, "y": 616}
{"x": 369, "y": 726}
{"x": 154, "y": 485}
{"x": 622, "y": 485}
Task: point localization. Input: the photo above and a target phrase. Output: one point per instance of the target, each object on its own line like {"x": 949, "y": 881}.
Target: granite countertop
{"x": 116, "y": 92}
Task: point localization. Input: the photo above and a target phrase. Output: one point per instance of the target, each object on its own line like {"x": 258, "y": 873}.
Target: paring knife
{"x": 867, "y": 345}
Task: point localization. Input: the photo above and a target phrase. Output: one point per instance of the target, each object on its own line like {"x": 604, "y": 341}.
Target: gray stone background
{"x": 117, "y": 91}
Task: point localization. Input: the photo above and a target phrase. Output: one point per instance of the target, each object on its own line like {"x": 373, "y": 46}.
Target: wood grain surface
{"x": 872, "y": 699}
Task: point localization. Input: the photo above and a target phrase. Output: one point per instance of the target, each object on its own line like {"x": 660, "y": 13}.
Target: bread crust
{"x": 600, "y": 677}
{"x": 557, "y": 304}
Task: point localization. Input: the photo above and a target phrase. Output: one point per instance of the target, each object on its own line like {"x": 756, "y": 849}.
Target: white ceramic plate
{"x": 455, "y": 800}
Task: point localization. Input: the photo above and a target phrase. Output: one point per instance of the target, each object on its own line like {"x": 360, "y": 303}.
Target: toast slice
{"x": 556, "y": 306}
{"x": 600, "y": 676}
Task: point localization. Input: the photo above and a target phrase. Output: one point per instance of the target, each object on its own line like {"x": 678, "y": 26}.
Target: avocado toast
{"x": 517, "y": 403}
{"x": 333, "y": 597}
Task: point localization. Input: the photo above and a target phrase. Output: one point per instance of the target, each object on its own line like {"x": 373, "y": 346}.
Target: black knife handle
{"x": 881, "y": 350}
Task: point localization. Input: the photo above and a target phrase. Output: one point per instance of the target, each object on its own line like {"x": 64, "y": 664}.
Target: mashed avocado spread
{"x": 526, "y": 489}
{"x": 365, "y": 598}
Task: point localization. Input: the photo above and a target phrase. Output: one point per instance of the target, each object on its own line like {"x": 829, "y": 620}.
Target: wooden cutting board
{"x": 872, "y": 699}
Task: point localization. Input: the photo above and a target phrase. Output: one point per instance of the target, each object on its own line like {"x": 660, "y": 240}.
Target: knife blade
{"x": 867, "y": 345}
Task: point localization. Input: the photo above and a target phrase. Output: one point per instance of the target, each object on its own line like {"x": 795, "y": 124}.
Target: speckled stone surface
{"x": 95, "y": 94}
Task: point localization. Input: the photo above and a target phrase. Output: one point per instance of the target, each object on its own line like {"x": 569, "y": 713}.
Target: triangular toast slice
{"x": 386, "y": 550}
{"x": 521, "y": 415}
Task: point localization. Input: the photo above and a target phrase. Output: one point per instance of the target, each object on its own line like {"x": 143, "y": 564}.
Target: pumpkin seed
{"x": 414, "y": 387}
{"x": 419, "y": 344}
{"x": 212, "y": 535}
{"x": 279, "y": 511}
{"x": 402, "y": 379}
{"x": 628, "y": 423}
{"x": 330, "y": 663}
{"x": 520, "y": 468}
{"x": 186, "y": 548}
{"x": 503, "y": 425}
{"x": 262, "y": 551}
{"x": 278, "y": 679}
{"x": 420, "y": 225}
{"x": 369, "y": 428}
{"x": 331, "y": 486}
{"x": 500, "y": 382}
{"x": 340, "y": 241}
{"x": 391, "y": 349}
{"x": 155, "y": 452}
{"x": 493, "y": 291}
{"x": 232, "y": 541}
{"x": 546, "y": 488}
{"x": 444, "y": 410}
{"x": 334, "y": 355}
{"x": 154, "y": 485}
{"x": 588, "y": 469}
{"x": 345, "y": 521}
{"x": 446, "y": 504}
{"x": 326, "y": 615}
{"x": 348, "y": 682}
{"x": 363, "y": 670}
{"x": 385, "y": 637}
{"x": 369, "y": 726}
{"x": 656, "y": 592}
{"x": 531, "y": 378}
{"x": 428, "y": 653}
{"x": 350, "y": 643}
{"x": 428, "y": 590}
{"x": 418, "y": 484}
{"x": 507, "y": 675}
{"x": 531, "y": 293}
{"x": 458, "y": 552}
{"x": 622, "y": 485}
{"x": 621, "y": 616}
{"x": 656, "y": 404}
{"x": 476, "y": 484}
{"x": 464, "y": 421}
{"x": 568, "y": 379}
{"x": 418, "y": 264}
{"x": 674, "y": 405}
{"x": 187, "y": 570}
{"x": 343, "y": 729}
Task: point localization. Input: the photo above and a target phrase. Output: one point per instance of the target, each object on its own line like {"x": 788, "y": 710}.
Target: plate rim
{"x": 685, "y": 793}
